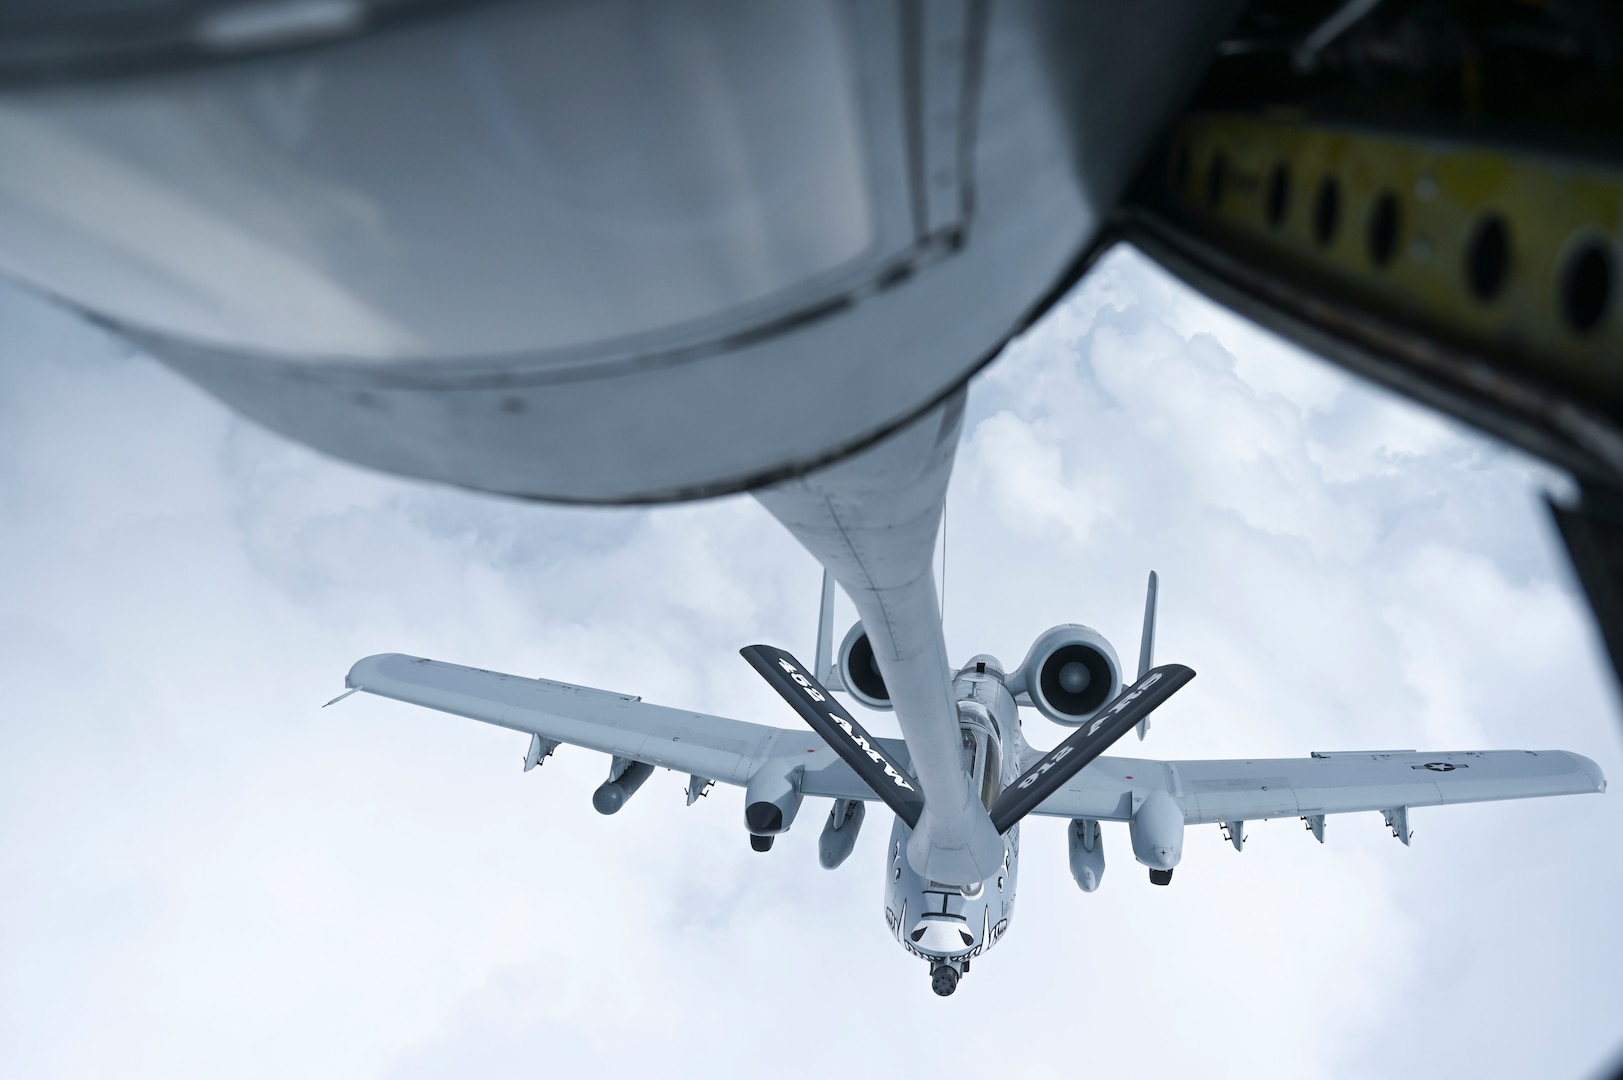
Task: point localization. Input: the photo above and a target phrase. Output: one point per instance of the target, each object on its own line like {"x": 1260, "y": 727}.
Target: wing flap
{"x": 867, "y": 756}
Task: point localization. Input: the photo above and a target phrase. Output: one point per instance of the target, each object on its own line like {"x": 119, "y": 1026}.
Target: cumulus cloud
{"x": 207, "y": 874}
{"x": 1021, "y": 476}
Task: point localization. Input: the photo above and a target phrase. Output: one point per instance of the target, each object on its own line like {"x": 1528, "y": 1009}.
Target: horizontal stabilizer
{"x": 1054, "y": 768}
{"x": 867, "y": 758}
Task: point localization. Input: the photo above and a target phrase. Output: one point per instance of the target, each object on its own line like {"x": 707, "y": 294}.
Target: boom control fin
{"x": 1057, "y": 766}
{"x": 867, "y": 758}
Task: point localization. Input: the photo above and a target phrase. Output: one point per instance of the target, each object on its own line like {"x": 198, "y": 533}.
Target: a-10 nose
{"x": 942, "y": 935}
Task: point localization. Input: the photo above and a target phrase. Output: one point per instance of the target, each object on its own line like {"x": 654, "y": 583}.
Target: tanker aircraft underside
{"x": 1071, "y": 675}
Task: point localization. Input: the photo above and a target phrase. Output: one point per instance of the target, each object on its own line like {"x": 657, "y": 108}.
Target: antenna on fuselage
{"x": 1146, "y": 646}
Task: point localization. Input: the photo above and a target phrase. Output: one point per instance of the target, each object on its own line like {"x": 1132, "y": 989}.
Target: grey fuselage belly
{"x": 940, "y": 922}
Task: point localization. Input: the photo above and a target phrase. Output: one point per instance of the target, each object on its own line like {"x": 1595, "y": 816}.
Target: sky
{"x": 204, "y": 873}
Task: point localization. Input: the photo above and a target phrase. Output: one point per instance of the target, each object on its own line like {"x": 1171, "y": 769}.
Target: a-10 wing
{"x": 711, "y": 747}
{"x": 1334, "y": 783}
{"x": 731, "y": 751}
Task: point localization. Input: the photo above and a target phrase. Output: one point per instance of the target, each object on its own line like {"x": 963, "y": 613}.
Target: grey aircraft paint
{"x": 947, "y": 924}
{"x": 831, "y": 215}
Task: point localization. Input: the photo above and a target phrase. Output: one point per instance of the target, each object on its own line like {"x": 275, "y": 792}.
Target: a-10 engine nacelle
{"x": 1069, "y": 674}
{"x": 859, "y": 671}
{"x": 1156, "y": 829}
{"x": 771, "y": 800}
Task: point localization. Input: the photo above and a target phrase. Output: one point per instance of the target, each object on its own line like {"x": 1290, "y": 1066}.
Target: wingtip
{"x": 373, "y": 669}
{"x": 1597, "y": 779}
{"x": 358, "y": 670}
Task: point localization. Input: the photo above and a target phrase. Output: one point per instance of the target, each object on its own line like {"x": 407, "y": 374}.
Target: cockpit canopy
{"x": 982, "y": 751}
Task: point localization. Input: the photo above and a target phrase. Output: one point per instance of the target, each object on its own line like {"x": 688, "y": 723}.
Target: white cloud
{"x": 206, "y": 874}
{"x": 1021, "y": 474}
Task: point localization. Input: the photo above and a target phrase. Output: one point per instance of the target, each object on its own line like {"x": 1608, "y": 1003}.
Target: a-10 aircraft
{"x": 1071, "y": 675}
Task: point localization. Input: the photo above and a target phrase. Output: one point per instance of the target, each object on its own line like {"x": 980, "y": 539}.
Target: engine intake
{"x": 859, "y": 671}
{"x": 771, "y": 799}
{"x": 1156, "y": 829}
{"x": 1070, "y": 673}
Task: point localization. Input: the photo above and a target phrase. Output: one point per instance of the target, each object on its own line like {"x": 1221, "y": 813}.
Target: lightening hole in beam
{"x": 1586, "y": 286}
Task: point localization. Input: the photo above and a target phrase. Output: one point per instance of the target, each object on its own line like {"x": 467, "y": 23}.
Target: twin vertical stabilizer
{"x": 1146, "y": 646}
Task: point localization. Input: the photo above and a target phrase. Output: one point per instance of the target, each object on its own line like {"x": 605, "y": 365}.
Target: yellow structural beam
{"x": 1507, "y": 251}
